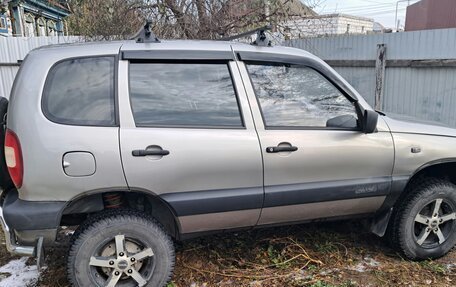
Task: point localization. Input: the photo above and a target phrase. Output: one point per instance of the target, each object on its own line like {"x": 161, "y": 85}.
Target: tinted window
{"x": 81, "y": 92}
{"x": 293, "y": 96}
{"x": 183, "y": 95}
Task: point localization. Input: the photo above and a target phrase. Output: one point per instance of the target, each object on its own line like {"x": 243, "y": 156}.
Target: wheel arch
{"x": 441, "y": 168}
{"x": 77, "y": 209}
{"x": 444, "y": 168}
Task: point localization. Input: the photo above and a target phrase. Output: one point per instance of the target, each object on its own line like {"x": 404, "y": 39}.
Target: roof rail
{"x": 261, "y": 40}
{"x": 145, "y": 34}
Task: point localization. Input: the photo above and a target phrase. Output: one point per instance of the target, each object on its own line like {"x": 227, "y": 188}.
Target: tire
{"x": 93, "y": 218}
{"x": 419, "y": 232}
{"x": 130, "y": 233}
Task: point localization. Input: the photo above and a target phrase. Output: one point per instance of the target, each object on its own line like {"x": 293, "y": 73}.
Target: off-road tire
{"x": 109, "y": 224}
{"x": 95, "y": 217}
{"x": 418, "y": 195}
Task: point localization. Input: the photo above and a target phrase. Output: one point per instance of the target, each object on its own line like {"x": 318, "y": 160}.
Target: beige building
{"x": 331, "y": 24}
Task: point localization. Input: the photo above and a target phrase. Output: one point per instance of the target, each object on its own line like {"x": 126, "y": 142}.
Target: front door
{"x": 187, "y": 135}
{"x": 317, "y": 162}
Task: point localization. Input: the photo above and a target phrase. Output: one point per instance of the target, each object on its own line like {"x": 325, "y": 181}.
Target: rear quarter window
{"x": 81, "y": 92}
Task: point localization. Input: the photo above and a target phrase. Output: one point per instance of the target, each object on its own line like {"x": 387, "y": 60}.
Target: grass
{"x": 323, "y": 255}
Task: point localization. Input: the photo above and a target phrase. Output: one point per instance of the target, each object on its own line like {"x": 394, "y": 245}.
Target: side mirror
{"x": 369, "y": 123}
{"x": 344, "y": 121}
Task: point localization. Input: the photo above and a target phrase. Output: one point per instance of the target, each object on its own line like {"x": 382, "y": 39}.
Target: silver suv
{"x": 140, "y": 144}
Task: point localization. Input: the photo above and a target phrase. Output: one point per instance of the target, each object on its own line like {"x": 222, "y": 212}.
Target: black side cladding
{"x": 226, "y": 200}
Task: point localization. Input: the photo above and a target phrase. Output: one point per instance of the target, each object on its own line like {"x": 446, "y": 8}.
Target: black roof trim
{"x": 185, "y": 55}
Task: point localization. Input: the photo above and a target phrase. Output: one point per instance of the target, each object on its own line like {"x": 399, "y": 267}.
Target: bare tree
{"x": 104, "y": 19}
{"x": 187, "y": 19}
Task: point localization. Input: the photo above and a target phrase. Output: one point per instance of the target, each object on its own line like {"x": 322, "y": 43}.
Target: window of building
{"x": 192, "y": 95}
{"x": 51, "y": 28}
{"x": 41, "y": 27}
{"x": 297, "y": 96}
{"x": 3, "y": 23}
{"x": 81, "y": 92}
{"x": 348, "y": 28}
{"x": 30, "y": 29}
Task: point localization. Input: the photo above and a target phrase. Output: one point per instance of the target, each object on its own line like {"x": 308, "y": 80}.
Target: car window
{"x": 171, "y": 94}
{"x": 297, "y": 96}
{"x": 81, "y": 92}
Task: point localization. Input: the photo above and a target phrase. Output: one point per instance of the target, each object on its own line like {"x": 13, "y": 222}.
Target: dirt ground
{"x": 317, "y": 255}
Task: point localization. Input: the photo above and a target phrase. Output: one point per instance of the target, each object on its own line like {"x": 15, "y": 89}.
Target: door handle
{"x": 276, "y": 149}
{"x": 146, "y": 152}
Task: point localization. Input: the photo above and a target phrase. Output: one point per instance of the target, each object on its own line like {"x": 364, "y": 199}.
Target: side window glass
{"x": 81, "y": 92}
{"x": 193, "y": 95}
{"x": 296, "y": 96}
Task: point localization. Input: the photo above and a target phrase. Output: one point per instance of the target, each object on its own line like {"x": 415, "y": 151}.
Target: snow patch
{"x": 371, "y": 262}
{"x": 18, "y": 273}
{"x": 359, "y": 268}
{"x": 365, "y": 264}
{"x": 329, "y": 271}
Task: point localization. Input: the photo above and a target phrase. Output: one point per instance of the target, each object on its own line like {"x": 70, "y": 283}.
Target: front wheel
{"x": 124, "y": 249}
{"x": 425, "y": 223}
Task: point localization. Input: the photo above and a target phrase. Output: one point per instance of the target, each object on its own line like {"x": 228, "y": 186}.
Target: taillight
{"x": 13, "y": 157}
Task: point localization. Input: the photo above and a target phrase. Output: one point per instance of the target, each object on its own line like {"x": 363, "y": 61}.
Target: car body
{"x": 209, "y": 163}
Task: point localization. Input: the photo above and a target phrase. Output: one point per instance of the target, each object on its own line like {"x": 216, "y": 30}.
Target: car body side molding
{"x": 215, "y": 201}
{"x": 293, "y": 194}
{"x": 227, "y": 200}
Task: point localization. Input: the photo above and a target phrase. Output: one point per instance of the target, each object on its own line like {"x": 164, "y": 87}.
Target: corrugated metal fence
{"x": 413, "y": 85}
{"x": 14, "y": 49}
{"x": 420, "y": 76}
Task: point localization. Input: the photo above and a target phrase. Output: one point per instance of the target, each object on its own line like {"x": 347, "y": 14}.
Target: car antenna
{"x": 145, "y": 34}
{"x": 261, "y": 40}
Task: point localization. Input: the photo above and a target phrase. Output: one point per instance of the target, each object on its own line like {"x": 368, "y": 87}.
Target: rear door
{"x": 187, "y": 135}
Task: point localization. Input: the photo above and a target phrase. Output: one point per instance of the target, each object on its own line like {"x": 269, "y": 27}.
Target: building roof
{"x": 339, "y": 15}
{"x": 58, "y": 7}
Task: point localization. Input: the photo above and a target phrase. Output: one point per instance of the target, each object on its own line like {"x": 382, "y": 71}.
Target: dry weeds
{"x": 317, "y": 255}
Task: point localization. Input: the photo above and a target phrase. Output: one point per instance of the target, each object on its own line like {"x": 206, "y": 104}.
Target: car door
{"x": 187, "y": 136}
{"x": 317, "y": 162}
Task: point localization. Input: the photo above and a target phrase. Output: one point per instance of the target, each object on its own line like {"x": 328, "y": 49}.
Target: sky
{"x": 382, "y": 11}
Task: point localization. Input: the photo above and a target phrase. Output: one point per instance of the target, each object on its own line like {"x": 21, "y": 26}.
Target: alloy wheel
{"x": 123, "y": 262}
{"x": 434, "y": 223}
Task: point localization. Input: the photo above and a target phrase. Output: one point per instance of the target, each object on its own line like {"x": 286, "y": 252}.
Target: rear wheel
{"x": 127, "y": 249}
{"x": 424, "y": 226}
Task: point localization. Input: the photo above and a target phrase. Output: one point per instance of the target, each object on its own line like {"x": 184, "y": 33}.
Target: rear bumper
{"x": 10, "y": 239}
{"x": 25, "y": 222}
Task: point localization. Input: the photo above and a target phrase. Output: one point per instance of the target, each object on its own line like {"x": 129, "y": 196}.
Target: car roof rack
{"x": 261, "y": 40}
{"x": 145, "y": 34}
